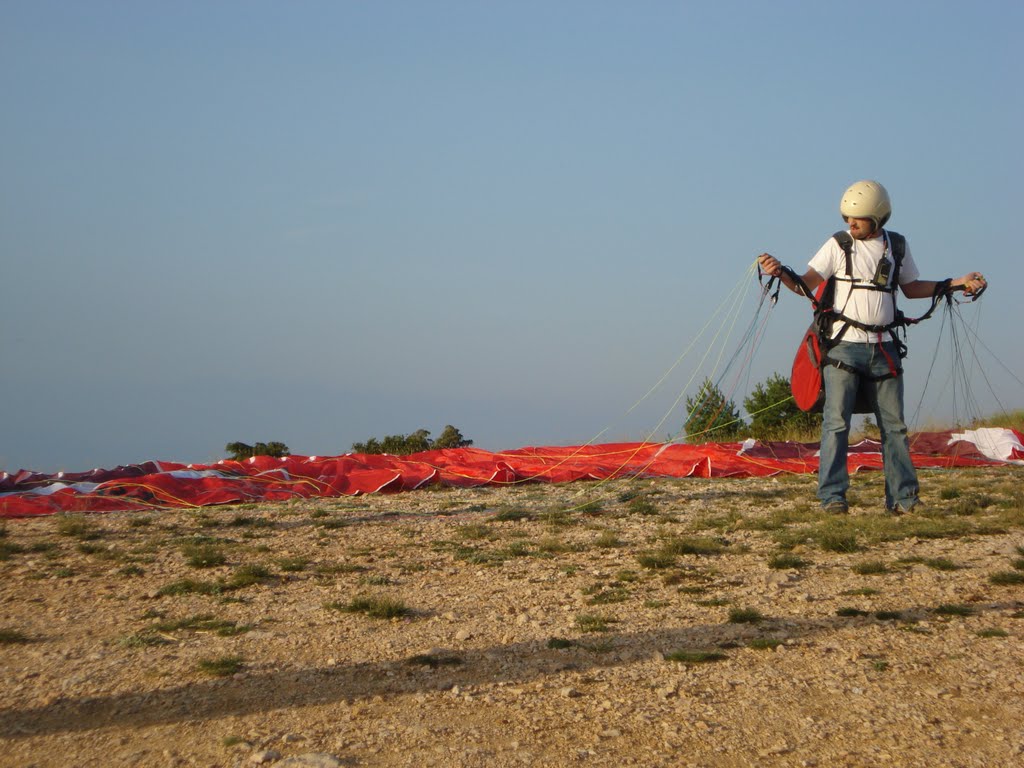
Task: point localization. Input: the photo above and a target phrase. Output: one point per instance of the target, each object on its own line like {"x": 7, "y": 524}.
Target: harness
{"x": 827, "y": 315}
{"x": 807, "y": 380}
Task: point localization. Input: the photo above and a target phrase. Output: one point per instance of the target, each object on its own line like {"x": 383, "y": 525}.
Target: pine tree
{"x": 712, "y": 417}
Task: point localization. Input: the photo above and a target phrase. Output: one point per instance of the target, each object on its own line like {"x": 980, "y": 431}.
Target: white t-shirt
{"x": 863, "y": 305}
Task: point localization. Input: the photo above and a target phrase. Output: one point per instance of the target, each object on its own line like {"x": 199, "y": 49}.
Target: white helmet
{"x": 866, "y": 200}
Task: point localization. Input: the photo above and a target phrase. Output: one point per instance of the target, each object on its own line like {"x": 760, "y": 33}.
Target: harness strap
{"x": 864, "y": 285}
{"x": 892, "y": 374}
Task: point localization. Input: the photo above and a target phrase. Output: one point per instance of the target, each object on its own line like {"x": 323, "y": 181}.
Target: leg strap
{"x": 892, "y": 374}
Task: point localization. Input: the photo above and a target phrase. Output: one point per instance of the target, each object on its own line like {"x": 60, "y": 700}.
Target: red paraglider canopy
{"x": 167, "y": 484}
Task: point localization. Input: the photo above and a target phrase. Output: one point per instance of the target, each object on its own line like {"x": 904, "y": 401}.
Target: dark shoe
{"x": 905, "y": 507}
{"x": 837, "y": 507}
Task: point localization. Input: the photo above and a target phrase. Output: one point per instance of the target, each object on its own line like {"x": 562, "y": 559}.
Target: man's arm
{"x": 772, "y": 266}
{"x": 971, "y": 284}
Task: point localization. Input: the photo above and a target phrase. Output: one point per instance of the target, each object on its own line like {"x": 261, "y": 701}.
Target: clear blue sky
{"x": 318, "y": 222}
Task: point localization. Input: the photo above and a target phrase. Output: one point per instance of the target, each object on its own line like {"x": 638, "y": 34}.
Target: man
{"x": 861, "y": 355}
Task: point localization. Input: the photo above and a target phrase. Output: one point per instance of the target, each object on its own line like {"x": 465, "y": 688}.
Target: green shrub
{"x": 418, "y": 441}
{"x": 238, "y": 451}
{"x": 774, "y": 414}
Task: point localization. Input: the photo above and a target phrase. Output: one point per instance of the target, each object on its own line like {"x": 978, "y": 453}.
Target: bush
{"x": 774, "y": 415}
{"x": 450, "y": 438}
{"x": 238, "y": 451}
{"x": 403, "y": 445}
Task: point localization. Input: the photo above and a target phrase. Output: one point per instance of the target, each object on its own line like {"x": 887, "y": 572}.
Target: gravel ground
{"x": 650, "y": 623}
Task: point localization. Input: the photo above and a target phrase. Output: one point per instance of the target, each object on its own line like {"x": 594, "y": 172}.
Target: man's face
{"x": 861, "y": 229}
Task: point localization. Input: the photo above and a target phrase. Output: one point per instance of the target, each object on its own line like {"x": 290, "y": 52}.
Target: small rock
{"x": 264, "y": 756}
{"x": 313, "y": 760}
{"x": 569, "y": 693}
{"x": 463, "y": 635}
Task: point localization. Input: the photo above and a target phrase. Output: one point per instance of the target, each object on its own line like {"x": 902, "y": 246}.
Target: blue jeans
{"x": 886, "y": 399}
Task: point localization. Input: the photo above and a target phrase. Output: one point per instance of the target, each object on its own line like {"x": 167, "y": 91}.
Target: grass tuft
{"x": 512, "y": 515}
{"x": 76, "y": 526}
{"x": 13, "y": 636}
{"x": 764, "y": 643}
{"x": 954, "y": 609}
{"x": 695, "y": 657}
{"x": 374, "y": 606}
{"x": 591, "y": 622}
{"x": 292, "y": 564}
{"x": 8, "y": 548}
{"x": 1006, "y": 578}
{"x": 693, "y": 545}
{"x": 434, "y": 660}
{"x": 745, "y": 616}
{"x": 247, "y": 576}
{"x": 870, "y": 567}
{"x": 656, "y": 560}
{"x": 190, "y": 587}
{"x": 560, "y": 643}
{"x": 785, "y": 561}
{"x": 888, "y": 615}
{"x": 838, "y": 541}
{"x": 222, "y": 666}
{"x": 641, "y": 505}
{"x": 204, "y": 555}
{"x": 848, "y": 612}
{"x": 608, "y": 540}
{"x": 993, "y": 632}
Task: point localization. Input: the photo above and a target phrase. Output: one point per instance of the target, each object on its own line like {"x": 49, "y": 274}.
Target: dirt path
{"x": 654, "y": 623}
